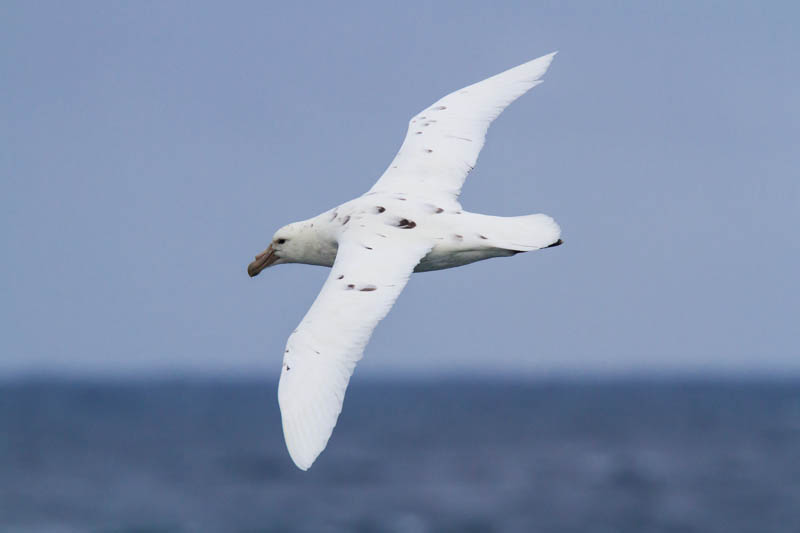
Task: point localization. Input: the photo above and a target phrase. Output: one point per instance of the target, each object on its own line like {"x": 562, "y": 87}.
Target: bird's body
{"x": 457, "y": 237}
{"x": 410, "y": 221}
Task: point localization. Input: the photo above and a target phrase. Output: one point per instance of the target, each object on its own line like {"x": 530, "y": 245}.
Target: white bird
{"x": 409, "y": 221}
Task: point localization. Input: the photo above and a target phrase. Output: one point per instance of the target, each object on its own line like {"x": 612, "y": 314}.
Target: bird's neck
{"x": 313, "y": 245}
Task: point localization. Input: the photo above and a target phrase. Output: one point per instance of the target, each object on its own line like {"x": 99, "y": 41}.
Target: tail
{"x": 519, "y": 234}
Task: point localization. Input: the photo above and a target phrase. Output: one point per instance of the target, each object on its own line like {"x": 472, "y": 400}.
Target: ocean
{"x": 406, "y": 456}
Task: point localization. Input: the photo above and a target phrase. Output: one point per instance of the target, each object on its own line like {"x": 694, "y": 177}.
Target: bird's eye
{"x": 281, "y": 241}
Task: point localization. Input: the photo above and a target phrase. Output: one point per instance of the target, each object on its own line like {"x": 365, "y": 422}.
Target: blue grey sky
{"x": 150, "y": 149}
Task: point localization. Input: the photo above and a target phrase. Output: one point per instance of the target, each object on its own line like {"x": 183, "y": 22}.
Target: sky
{"x": 151, "y": 149}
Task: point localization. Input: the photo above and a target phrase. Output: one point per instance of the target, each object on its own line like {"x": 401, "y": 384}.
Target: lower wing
{"x": 368, "y": 275}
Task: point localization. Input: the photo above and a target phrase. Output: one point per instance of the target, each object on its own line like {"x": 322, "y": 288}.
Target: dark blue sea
{"x": 427, "y": 456}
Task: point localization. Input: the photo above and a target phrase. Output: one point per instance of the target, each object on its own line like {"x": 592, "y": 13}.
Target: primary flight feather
{"x": 409, "y": 221}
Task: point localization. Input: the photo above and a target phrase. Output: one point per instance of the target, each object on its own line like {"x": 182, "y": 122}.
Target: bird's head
{"x": 285, "y": 246}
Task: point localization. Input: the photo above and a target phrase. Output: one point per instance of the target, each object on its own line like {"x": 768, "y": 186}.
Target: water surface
{"x": 405, "y": 457}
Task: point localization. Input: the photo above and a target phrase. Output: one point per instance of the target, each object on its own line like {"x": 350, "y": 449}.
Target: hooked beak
{"x": 263, "y": 260}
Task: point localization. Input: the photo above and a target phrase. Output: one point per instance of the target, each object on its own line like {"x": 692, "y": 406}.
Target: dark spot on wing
{"x": 419, "y": 133}
{"x": 484, "y": 237}
{"x": 380, "y": 209}
{"x": 459, "y": 237}
{"x": 340, "y": 276}
{"x": 441, "y": 108}
{"x": 335, "y": 214}
{"x": 368, "y": 288}
{"x": 439, "y": 210}
{"x": 406, "y": 224}
{"x": 351, "y": 286}
{"x": 429, "y": 150}
{"x": 559, "y": 242}
{"x": 367, "y": 247}
{"x": 316, "y": 352}
{"x": 346, "y": 220}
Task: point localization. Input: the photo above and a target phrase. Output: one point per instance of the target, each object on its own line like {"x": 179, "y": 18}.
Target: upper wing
{"x": 443, "y": 141}
{"x": 368, "y": 275}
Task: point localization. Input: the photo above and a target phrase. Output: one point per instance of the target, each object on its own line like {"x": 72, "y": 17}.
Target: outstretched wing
{"x": 368, "y": 275}
{"x": 443, "y": 141}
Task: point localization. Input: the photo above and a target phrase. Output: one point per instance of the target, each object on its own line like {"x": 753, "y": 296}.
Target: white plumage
{"x": 443, "y": 141}
{"x": 410, "y": 221}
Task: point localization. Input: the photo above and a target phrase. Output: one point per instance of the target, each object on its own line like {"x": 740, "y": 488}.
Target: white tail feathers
{"x": 523, "y": 234}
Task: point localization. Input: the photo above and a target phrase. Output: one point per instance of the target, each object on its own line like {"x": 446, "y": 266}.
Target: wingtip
{"x": 542, "y": 63}
{"x": 301, "y": 456}
{"x": 303, "y": 463}
{"x": 304, "y": 468}
{"x": 549, "y": 57}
